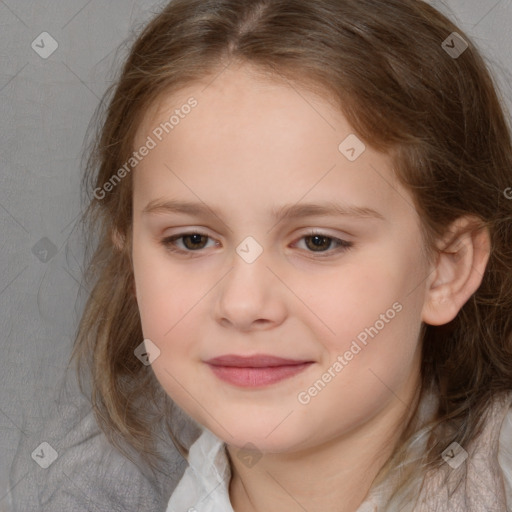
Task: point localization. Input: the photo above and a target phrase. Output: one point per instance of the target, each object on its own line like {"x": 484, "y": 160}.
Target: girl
{"x": 303, "y": 210}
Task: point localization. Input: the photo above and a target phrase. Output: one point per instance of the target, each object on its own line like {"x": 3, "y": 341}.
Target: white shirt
{"x": 204, "y": 486}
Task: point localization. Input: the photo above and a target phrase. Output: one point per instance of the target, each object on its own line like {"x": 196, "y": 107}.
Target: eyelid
{"x": 342, "y": 244}
{"x": 168, "y": 241}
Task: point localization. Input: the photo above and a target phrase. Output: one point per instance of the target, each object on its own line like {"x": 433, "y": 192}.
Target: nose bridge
{"x": 247, "y": 294}
{"x": 248, "y": 269}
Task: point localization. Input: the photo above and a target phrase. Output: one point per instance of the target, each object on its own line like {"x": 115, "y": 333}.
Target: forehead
{"x": 262, "y": 139}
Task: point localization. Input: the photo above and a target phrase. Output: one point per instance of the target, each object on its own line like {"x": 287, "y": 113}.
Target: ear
{"x": 459, "y": 270}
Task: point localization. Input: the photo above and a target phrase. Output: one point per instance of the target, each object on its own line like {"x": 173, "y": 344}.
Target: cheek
{"x": 369, "y": 374}
{"x": 172, "y": 311}
{"x": 166, "y": 299}
{"x": 161, "y": 292}
{"x": 348, "y": 300}
{"x": 373, "y": 310}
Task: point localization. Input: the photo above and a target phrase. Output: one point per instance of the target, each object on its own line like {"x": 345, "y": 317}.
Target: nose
{"x": 250, "y": 296}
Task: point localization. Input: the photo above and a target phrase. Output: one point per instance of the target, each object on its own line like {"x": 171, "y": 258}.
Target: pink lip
{"x": 255, "y": 371}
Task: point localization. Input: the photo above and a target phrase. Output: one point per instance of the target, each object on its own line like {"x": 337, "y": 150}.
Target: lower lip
{"x": 257, "y": 377}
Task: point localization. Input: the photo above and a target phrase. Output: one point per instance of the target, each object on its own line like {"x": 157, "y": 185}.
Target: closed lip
{"x": 256, "y": 361}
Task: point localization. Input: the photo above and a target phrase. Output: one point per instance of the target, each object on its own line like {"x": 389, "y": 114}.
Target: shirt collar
{"x": 204, "y": 486}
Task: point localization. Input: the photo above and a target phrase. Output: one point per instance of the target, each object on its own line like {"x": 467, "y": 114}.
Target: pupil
{"x": 317, "y": 240}
{"x": 195, "y": 239}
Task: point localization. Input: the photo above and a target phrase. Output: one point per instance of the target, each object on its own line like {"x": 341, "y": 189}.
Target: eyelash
{"x": 343, "y": 245}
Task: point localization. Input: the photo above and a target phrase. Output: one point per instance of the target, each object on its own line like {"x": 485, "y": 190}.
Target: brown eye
{"x": 320, "y": 243}
{"x": 193, "y": 242}
{"x": 315, "y": 243}
{"x": 196, "y": 241}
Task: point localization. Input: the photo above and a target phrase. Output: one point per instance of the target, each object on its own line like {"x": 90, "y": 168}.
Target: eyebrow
{"x": 288, "y": 211}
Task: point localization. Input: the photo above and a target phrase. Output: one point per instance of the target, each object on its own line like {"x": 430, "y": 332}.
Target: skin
{"x": 251, "y": 145}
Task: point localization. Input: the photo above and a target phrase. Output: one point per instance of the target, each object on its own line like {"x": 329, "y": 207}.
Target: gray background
{"x": 45, "y": 108}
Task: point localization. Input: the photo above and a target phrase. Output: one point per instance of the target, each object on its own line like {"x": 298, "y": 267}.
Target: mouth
{"x": 255, "y": 371}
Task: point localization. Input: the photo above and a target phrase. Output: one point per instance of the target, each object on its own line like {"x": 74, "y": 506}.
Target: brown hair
{"x": 382, "y": 63}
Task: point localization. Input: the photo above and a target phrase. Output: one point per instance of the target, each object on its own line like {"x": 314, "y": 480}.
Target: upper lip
{"x": 256, "y": 361}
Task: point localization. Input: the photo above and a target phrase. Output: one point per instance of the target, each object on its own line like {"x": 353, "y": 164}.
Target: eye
{"x": 195, "y": 241}
{"x": 192, "y": 242}
{"x": 318, "y": 241}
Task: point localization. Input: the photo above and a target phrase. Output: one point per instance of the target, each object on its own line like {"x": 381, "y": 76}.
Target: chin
{"x": 242, "y": 437}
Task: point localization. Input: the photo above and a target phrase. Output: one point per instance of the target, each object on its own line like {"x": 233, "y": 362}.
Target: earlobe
{"x": 459, "y": 270}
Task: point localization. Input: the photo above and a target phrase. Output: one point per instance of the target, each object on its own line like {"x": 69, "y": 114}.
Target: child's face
{"x": 246, "y": 149}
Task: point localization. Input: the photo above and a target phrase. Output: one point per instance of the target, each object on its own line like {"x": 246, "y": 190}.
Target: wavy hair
{"x": 383, "y": 64}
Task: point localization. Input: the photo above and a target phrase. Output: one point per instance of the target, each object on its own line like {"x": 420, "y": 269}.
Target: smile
{"x": 255, "y": 371}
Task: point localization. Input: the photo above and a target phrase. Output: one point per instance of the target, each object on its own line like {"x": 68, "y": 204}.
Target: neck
{"x": 335, "y": 476}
